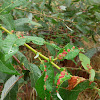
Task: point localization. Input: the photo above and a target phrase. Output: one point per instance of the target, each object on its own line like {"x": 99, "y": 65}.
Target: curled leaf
{"x": 37, "y": 55}
{"x": 74, "y": 81}
{"x": 58, "y": 95}
{"x": 8, "y": 86}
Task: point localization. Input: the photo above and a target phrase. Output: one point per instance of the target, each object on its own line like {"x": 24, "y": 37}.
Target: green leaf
{"x": 12, "y": 95}
{"x": 8, "y": 46}
{"x": 91, "y": 52}
{"x": 53, "y": 45}
{"x": 81, "y": 28}
{"x": 23, "y": 60}
{"x": 8, "y": 86}
{"x": 97, "y": 15}
{"x": 22, "y": 21}
{"x": 42, "y": 4}
{"x": 94, "y": 2}
{"x": 8, "y": 5}
{"x": 35, "y": 40}
{"x": 49, "y": 7}
{"x": 40, "y": 86}
{"x": 3, "y": 77}
{"x": 68, "y": 2}
{"x": 42, "y": 67}
{"x": 99, "y": 92}
{"x": 8, "y": 21}
{"x": 49, "y": 2}
{"x": 85, "y": 63}
{"x": 50, "y": 73}
{"x": 73, "y": 94}
{"x": 70, "y": 54}
{"x": 6, "y": 66}
{"x": 62, "y": 80}
{"x": 19, "y": 41}
{"x": 92, "y": 75}
{"x": 73, "y": 52}
{"x": 44, "y": 94}
{"x": 0, "y": 35}
{"x": 23, "y": 28}
{"x": 35, "y": 74}
{"x": 12, "y": 42}
{"x": 51, "y": 49}
{"x": 0, "y": 38}
{"x": 85, "y": 60}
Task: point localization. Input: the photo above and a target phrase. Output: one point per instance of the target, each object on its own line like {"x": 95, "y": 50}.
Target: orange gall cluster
{"x": 61, "y": 55}
{"x": 61, "y": 76}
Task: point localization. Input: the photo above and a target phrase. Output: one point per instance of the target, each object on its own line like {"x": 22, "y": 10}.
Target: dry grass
{"x": 88, "y": 94}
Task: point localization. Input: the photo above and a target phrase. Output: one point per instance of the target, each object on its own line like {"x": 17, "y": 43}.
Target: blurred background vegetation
{"x": 57, "y": 21}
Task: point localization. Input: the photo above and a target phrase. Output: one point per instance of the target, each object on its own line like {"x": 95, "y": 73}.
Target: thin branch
{"x": 18, "y": 62}
{"x": 38, "y": 13}
{"x": 41, "y": 55}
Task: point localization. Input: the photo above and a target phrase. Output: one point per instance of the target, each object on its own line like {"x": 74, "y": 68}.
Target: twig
{"x": 41, "y": 55}
{"x": 75, "y": 68}
{"x": 44, "y": 15}
{"x": 18, "y": 62}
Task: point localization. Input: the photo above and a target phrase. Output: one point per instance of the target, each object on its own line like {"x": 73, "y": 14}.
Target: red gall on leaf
{"x": 46, "y": 76}
{"x": 68, "y": 50}
{"x": 45, "y": 70}
{"x": 63, "y": 73}
{"x": 64, "y": 52}
{"x": 58, "y": 82}
{"x": 73, "y": 47}
{"x": 90, "y": 68}
{"x": 56, "y": 91}
{"x": 12, "y": 31}
{"x": 49, "y": 91}
{"x": 3, "y": 31}
{"x": 50, "y": 58}
{"x": 63, "y": 55}
{"x": 83, "y": 11}
{"x": 80, "y": 48}
{"x": 45, "y": 61}
{"x": 44, "y": 87}
{"x": 22, "y": 35}
{"x": 44, "y": 80}
{"x": 60, "y": 58}
{"x": 45, "y": 66}
{"x": 61, "y": 76}
{"x": 60, "y": 55}
{"x": 56, "y": 86}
